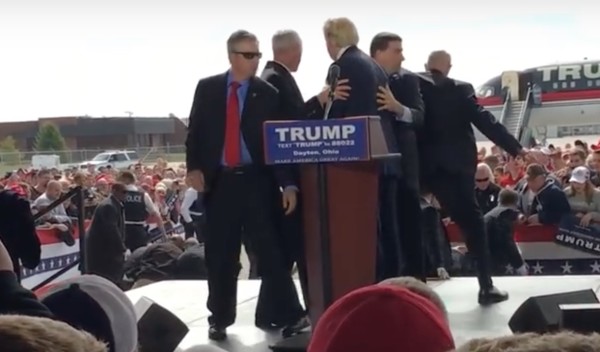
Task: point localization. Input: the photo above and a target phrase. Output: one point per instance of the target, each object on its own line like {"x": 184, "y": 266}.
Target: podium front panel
{"x": 352, "y": 190}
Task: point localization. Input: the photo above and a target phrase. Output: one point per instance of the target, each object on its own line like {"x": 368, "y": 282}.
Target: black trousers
{"x": 194, "y": 229}
{"x": 239, "y": 200}
{"x": 136, "y": 236}
{"x": 411, "y": 233}
{"x": 456, "y": 194}
{"x": 279, "y": 304}
{"x": 390, "y": 261}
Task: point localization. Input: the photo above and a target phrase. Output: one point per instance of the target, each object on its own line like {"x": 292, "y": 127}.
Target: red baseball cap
{"x": 382, "y": 318}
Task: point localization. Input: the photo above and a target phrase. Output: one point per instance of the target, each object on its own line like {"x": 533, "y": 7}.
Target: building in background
{"x": 102, "y": 132}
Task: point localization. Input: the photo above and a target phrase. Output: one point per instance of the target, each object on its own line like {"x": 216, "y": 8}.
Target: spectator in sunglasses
{"x": 486, "y": 191}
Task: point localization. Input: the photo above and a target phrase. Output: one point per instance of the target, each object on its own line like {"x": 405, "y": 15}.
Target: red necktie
{"x": 232, "y": 152}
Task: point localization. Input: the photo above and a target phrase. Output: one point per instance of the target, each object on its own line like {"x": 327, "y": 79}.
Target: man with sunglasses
{"x": 225, "y": 160}
{"x": 486, "y": 191}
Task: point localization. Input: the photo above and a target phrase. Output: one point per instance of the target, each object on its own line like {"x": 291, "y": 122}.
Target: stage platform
{"x": 187, "y": 299}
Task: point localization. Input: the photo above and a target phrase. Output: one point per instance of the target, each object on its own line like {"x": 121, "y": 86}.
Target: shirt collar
{"x": 243, "y": 83}
{"x": 282, "y": 65}
{"x": 341, "y": 52}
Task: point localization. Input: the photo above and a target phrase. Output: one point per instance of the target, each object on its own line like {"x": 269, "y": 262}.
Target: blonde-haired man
{"x": 340, "y": 34}
{"x": 364, "y": 75}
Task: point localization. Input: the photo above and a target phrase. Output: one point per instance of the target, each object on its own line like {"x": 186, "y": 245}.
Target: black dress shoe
{"x": 295, "y": 328}
{"x": 267, "y": 325}
{"x": 491, "y": 296}
{"x": 216, "y": 333}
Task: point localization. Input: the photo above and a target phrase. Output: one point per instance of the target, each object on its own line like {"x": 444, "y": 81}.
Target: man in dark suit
{"x": 104, "y": 246}
{"x": 449, "y": 157}
{"x": 225, "y": 160}
{"x": 17, "y": 231}
{"x": 365, "y": 77}
{"x": 287, "y": 54}
{"x": 403, "y": 255}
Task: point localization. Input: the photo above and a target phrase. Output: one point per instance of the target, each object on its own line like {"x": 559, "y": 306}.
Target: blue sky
{"x": 102, "y": 58}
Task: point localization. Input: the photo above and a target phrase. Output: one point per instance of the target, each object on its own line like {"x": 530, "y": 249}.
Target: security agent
{"x": 403, "y": 255}
{"x": 191, "y": 212}
{"x": 447, "y": 146}
{"x": 138, "y": 206}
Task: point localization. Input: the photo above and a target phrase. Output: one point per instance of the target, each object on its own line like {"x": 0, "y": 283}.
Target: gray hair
{"x": 238, "y": 37}
{"x": 285, "y": 39}
{"x": 483, "y": 167}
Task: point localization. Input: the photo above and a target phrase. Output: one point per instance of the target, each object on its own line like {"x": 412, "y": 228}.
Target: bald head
{"x": 53, "y": 190}
{"x": 287, "y": 48}
{"x": 440, "y": 61}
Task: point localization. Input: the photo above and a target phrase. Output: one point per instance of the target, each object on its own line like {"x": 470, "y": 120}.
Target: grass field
{"x": 171, "y": 158}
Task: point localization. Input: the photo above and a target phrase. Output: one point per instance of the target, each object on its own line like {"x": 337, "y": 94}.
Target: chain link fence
{"x": 13, "y": 161}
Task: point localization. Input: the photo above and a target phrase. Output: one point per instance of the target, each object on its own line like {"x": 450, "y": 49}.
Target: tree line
{"x": 47, "y": 139}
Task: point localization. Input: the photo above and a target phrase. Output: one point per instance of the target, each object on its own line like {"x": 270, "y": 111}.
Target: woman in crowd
{"x": 583, "y": 197}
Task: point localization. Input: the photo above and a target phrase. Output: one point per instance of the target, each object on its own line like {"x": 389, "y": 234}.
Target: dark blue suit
{"x": 365, "y": 77}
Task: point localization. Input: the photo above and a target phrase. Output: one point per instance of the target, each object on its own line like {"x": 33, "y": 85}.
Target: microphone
{"x": 332, "y": 79}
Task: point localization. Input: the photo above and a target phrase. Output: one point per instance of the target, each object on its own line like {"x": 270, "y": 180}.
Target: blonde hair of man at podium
{"x": 420, "y": 288}
{"x": 530, "y": 342}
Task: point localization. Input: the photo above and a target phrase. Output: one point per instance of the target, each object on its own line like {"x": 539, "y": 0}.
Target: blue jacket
{"x": 550, "y": 203}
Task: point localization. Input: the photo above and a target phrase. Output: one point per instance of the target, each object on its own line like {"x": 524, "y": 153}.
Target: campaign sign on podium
{"x": 317, "y": 141}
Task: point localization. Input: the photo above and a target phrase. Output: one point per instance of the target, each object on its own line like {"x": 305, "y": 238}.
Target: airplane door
{"x": 510, "y": 79}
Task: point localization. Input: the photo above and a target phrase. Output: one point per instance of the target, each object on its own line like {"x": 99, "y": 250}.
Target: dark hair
{"x": 535, "y": 170}
{"x": 508, "y": 197}
{"x": 126, "y": 177}
{"x": 382, "y": 40}
{"x": 118, "y": 187}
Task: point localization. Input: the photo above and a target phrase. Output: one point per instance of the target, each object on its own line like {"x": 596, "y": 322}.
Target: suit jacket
{"x": 104, "y": 246}
{"x": 405, "y": 87}
{"x": 206, "y": 129}
{"x": 291, "y": 102}
{"x": 446, "y": 140}
{"x": 365, "y": 77}
{"x": 17, "y": 231}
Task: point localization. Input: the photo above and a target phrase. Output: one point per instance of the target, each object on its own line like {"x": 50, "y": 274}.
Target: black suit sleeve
{"x": 294, "y": 108}
{"x": 109, "y": 218}
{"x": 29, "y": 247}
{"x": 313, "y": 109}
{"x": 283, "y": 173}
{"x": 344, "y": 108}
{"x": 410, "y": 97}
{"x": 488, "y": 125}
{"x": 192, "y": 142}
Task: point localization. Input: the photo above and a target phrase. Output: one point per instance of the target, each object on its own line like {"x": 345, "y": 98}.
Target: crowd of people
{"x": 225, "y": 196}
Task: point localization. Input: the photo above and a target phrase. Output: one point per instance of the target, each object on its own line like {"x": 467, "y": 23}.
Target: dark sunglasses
{"x": 249, "y": 55}
{"x": 482, "y": 179}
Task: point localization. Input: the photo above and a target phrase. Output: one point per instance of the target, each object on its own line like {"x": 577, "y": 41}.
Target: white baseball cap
{"x": 96, "y": 305}
{"x": 580, "y": 174}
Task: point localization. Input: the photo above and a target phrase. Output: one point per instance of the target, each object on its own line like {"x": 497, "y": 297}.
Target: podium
{"x": 339, "y": 163}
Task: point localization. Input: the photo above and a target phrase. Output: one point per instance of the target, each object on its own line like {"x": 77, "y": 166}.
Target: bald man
{"x": 449, "y": 153}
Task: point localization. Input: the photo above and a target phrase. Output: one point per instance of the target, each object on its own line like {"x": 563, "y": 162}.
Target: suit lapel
{"x": 251, "y": 96}
{"x": 218, "y": 99}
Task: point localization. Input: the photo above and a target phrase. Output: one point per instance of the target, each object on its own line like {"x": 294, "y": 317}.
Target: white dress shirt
{"x": 189, "y": 197}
